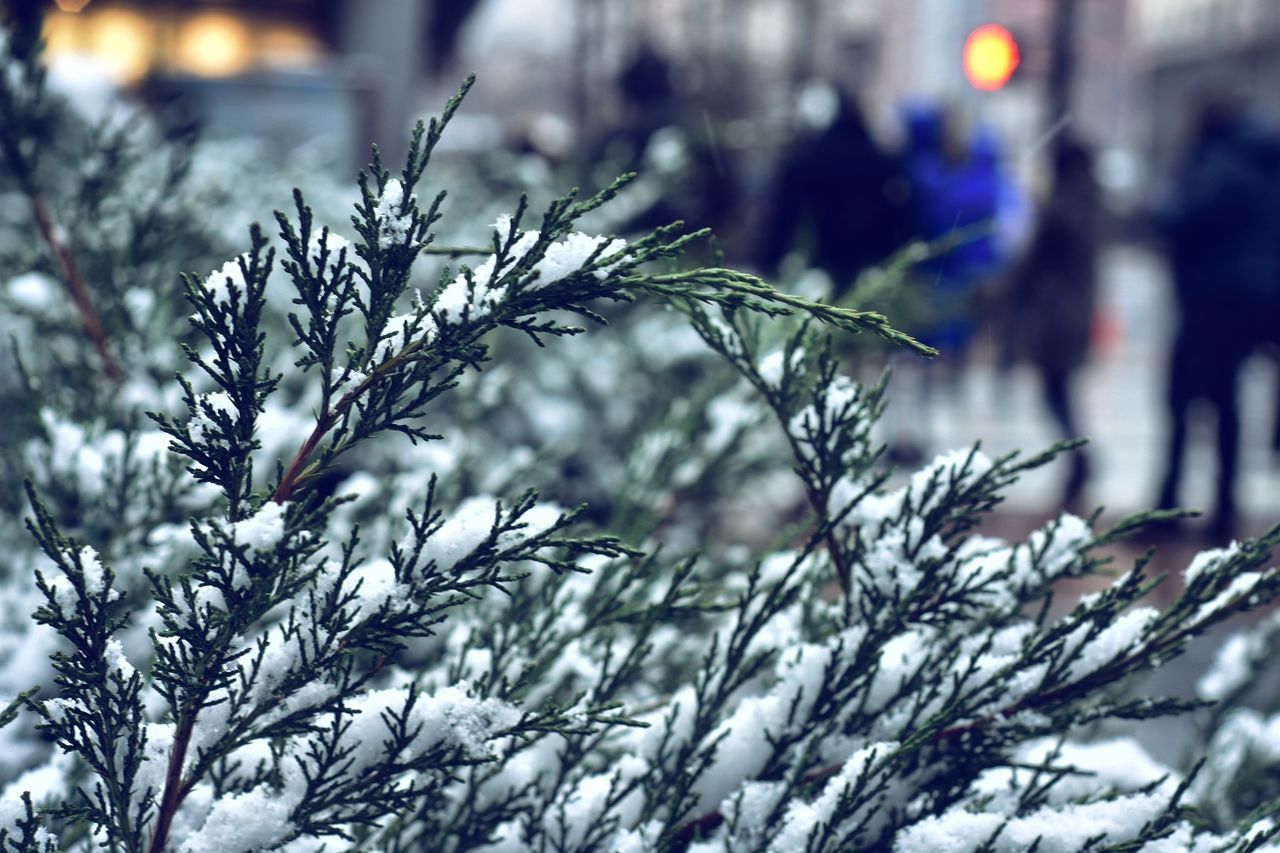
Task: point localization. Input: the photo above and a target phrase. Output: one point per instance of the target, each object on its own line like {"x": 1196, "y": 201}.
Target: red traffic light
{"x": 990, "y": 57}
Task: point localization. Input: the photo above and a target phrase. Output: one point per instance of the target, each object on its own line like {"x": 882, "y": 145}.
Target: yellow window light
{"x": 213, "y": 44}
{"x": 63, "y": 33}
{"x": 123, "y": 39}
{"x": 286, "y": 46}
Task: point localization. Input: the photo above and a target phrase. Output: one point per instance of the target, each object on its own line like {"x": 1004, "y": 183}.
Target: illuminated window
{"x": 123, "y": 39}
{"x": 212, "y": 44}
{"x": 286, "y": 46}
{"x": 131, "y": 42}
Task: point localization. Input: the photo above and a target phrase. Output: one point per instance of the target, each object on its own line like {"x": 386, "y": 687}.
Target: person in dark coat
{"x": 1053, "y": 293}
{"x": 841, "y": 196}
{"x": 703, "y": 192}
{"x": 1222, "y": 226}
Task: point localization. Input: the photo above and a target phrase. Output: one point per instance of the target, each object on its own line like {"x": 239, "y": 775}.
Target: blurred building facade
{"x": 134, "y": 40}
{"x": 1190, "y": 49}
{"x": 286, "y": 70}
{"x": 300, "y": 67}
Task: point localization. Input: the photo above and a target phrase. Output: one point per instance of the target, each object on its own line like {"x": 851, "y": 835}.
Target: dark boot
{"x": 1073, "y": 492}
{"x": 1223, "y": 527}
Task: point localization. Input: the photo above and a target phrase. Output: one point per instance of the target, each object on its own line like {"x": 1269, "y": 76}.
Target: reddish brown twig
{"x": 69, "y": 272}
{"x": 289, "y": 482}
{"x": 173, "y": 787}
{"x": 695, "y": 828}
{"x": 297, "y": 470}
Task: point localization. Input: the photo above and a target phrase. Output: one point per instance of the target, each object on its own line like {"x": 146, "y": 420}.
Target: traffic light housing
{"x": 990, "y": 57}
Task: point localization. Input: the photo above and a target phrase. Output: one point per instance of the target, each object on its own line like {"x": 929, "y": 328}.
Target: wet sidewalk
{"x": 1121, "y": 410}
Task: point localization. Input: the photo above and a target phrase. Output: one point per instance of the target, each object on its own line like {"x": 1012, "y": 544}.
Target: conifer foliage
{"x": 252, "y": 659}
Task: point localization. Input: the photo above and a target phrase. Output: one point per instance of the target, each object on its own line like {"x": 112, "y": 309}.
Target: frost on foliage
{"x": 218, "y": 283}
{"x": 426, "y": 666}
{"x": 1105, "y": 793}
{"x": 1242, "y": 587}
{"x": 1206, "y": 560}
{"x": 836, "y": 399}
{"x": 1093, "y": 649}
{"x": 117, "y": 663}
{"x": 255, "y": 820}
{"x": 484, "y": 292}
{"x": 403, "y": 329}
{"x": 470, "y": 526}
{"x": 565, "y": 257}
{"x": 803, "y": 819}
{"x": 346, "y": 381}
{"x": 212, "y": 412}
{"x": 775, "y": 365}
{"x": 331, "y": 246}
{"x": 1060, "y": 829}
{"x": 950, "y": 473}
{"x": 250, "y": 540}
{"x": 1115, "y": 765}
{"x": 47, "y": 783}
{"x": 260, "y": 531}
{"x": 1243, "y": 753}
{"x": 486, "y": 287}
{"x": 394, "y": 222}
{"x": 1238, "y": 659}
{"x": 93, "y": 578}
{"x": 450, "y": 719}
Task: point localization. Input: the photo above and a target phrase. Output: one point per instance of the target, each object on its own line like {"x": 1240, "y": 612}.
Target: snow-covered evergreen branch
{"x": 366, "y": 648}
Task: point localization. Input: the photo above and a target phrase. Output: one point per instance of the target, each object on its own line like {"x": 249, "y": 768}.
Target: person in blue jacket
{"x": 956, "y": 190}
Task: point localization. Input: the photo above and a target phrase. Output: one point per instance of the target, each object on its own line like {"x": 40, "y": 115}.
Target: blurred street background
{"x": 1096, "y": 180}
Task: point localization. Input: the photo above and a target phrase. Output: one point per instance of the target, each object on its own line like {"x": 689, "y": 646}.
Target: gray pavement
{"x": 1121, "y": 410}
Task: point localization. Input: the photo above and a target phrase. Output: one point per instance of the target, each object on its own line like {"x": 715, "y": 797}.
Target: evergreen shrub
{"x": 332, "y": 588}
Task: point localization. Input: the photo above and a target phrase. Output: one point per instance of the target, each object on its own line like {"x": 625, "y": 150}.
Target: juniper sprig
{"x": 339, "y": 592}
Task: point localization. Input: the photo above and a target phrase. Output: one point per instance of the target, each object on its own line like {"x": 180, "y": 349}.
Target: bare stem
{"x": 297, "y": 470}
{"x": 72, "y": 279}
{"x": 456, "y": 251}
{"x": 173, "y": 788}
{"x": 289, "y": 482}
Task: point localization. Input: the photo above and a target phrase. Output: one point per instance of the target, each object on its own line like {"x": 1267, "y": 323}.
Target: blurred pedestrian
{"x": 672, "y": 140}
{"x": 647, "y": 97}
{"x": 838, "y": 196}
{"x": 956, "y": 191}
{"x": 1052, "y": 294}
{"x": 1222, "y": 226}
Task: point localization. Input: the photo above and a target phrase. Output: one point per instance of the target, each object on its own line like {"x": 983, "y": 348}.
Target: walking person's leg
{"x": 1181, "y": 363}
{"x": 1057, "y": 396}
{"x": 1226, "y": 403}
